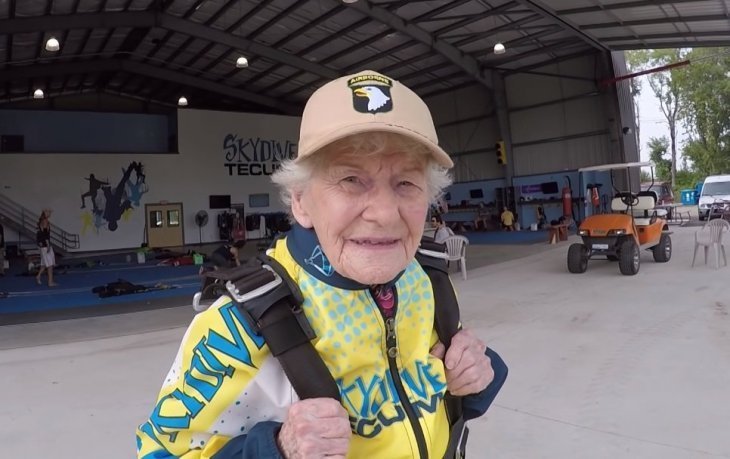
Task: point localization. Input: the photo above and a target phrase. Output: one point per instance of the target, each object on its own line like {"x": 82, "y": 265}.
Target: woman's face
{"x": 368, "y": 212}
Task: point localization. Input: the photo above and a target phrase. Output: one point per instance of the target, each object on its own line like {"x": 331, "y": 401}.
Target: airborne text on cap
{"x": 361, "y": 78}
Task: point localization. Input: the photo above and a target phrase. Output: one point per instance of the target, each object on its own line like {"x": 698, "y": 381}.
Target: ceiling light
{"x": 38, "y": 94}
{"x": 499, "y": 48}
{"x": 183, "y": 101}
{"x": 349, "y": 1}
{"x": 241, "y": 62}
{"x": 52, "y": 45}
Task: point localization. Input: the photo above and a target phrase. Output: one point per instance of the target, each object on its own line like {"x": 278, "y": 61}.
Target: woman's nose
{"x": 381, "y": 205}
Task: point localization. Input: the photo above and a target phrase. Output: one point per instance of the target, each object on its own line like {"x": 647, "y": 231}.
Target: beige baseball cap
{"x": 366, "y": 102}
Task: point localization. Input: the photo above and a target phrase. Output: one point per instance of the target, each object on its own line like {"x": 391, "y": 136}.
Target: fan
{"x": 201, "y": 219}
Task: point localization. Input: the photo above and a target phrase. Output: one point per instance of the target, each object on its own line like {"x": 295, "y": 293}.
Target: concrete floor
{"x": 601, "y": 365}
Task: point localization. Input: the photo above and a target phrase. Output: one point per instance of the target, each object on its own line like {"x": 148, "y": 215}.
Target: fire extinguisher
{"x": 595, "y": 199}
{"x": 567, "y": 201}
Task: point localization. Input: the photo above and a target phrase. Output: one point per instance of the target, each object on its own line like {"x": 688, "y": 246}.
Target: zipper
{"x": 391, "y": 344}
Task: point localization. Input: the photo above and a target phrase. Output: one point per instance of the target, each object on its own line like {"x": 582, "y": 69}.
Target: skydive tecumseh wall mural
{"x": 109, "y": 202}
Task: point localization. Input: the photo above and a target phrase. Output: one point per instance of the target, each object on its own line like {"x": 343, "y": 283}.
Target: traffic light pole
{"x": 503, "y": 124}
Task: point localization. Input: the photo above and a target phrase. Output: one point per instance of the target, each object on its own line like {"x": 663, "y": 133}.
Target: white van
{"x": 715, "y": 188}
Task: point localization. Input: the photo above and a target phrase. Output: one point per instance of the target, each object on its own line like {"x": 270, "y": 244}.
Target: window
{"x": 155, "y": 219}
{"x": 476, "y": 193}
{"x": 258, "y": 200}
{"x": 173, "y": 217}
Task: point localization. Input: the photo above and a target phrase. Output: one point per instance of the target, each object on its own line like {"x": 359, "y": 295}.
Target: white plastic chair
{"x": 456, "y": 251}
{"x": 711, "y": 236}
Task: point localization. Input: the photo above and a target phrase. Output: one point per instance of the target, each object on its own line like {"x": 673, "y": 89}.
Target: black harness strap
{"x": 446, "y": 323}
{"x": 272, "y": 304}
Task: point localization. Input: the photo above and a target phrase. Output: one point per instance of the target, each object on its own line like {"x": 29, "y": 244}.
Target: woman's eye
{"x": 407, "y": 184}
{"x": 351, "y": 179}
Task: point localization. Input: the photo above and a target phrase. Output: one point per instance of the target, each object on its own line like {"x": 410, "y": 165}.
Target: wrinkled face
{"x": 368, "y": 212}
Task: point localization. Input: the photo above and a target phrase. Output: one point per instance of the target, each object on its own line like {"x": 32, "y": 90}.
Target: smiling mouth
{"x": 374, "y": 242}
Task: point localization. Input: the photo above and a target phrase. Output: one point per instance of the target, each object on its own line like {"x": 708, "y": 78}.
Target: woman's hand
{"x": 468, "y": 370}
{"x": 315, "y": 428}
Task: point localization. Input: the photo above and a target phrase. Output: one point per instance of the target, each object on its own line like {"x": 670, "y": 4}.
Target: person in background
{"x": 48, "y": 257}
{"x": 442, "y": 231}
{"x": 508, "y": 219}
{"x": 541, "y": 218}
{"x": 368, "y": 166}
{"x": 482, "y": 216}
{"x": 227, "y": 255}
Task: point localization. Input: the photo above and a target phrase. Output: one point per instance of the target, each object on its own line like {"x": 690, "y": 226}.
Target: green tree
{"x": 666, "y": 89}
{"x": 705, "y": 91}
{"x": 657, "y": 150}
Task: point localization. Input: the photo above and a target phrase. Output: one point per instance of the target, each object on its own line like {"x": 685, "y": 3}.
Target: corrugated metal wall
{"x": 467, "y": 129}
{"x": 556, "y": 123}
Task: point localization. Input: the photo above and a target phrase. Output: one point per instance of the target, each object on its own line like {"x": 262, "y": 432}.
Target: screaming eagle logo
{"x": 371, "y": 93}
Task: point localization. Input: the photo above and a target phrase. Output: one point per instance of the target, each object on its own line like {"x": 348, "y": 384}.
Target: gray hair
{"x": 293, "y": 177}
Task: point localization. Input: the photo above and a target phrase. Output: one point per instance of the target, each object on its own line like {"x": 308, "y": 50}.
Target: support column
{"x": 503, "y": 124}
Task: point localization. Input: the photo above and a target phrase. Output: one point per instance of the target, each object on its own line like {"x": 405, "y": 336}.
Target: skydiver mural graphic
{"x": 94, "y": 187}
{"x": 115, "y": 201}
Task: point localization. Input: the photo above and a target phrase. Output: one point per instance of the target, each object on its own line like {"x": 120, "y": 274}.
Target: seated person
{"x": 482, "y": 215}
{"x": 508, "y": 219}
{"x": 442, "y": 231}
{"x": 227, "y": 255}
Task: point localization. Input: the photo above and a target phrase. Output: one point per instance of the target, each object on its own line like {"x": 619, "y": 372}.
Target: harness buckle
{"x": 258, "y": 291}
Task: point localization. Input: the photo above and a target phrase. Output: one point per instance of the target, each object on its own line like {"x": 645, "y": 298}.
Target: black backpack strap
{"x": 432, "y": 257}
{"x": 272, "y": 303}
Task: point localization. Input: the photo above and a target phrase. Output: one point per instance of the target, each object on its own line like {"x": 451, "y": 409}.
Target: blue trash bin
{"x": 688, "y": 197}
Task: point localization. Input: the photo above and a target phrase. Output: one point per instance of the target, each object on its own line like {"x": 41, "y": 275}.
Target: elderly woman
{"x": 358, "y": 192}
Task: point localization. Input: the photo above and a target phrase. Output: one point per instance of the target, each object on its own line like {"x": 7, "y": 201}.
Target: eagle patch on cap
{"x": 371, "y": 93}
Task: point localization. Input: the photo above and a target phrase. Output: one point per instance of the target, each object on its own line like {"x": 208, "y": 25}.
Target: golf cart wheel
{"x": 577, "y": 258}
{"x": 612, "y": 257}
{"x": 628, "y": 262}
{"x": 663, "y": 251}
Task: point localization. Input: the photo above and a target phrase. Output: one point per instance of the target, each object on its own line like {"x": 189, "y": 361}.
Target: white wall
{"x": 37, "y": 181}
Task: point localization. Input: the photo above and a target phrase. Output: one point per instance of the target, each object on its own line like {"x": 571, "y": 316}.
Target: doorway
{"x": 164, "y": 225}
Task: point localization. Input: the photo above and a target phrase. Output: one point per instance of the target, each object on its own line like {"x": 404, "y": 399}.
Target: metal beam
{"x": 78, "y": 21}
{"x": 549, "y": 48}
{"x": 568, "y": 26}
{"x": 206, "y": 33}
{"x": 466, "y": 62}
{"x": 149, "y": 19}
{"x": 402, "y": 63}
{"x": 675, "y": 45}
{"x": 642, "y": 22}
{"x": 139, "y": 68}
{"x": 622, "y": 6}
{"x": 291, "y": 36}
{"x": 669, "y": 36}
{"x": 517, "y": 42}
{"x": 567, "y": 57}
{"x": 231, "y": 29}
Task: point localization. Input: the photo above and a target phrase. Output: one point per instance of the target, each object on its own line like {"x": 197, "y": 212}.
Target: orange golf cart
{"x": 634, "y": 224}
